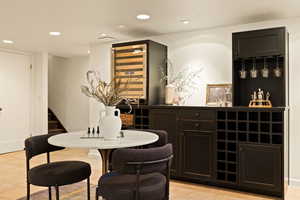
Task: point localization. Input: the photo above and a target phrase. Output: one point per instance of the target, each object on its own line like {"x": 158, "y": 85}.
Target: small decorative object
{"x": 253, "y": 71}
{"x": 259, "y": 101}
{"x": 185, "y": 82}
{"x": 265, "y": 70}
{"x": 277, "y": 70}
{"x": 243, "y": 72}
{"x": 219, "y": 95}
{"x": 109, "y": 94}
{"x": 170, "y": 93}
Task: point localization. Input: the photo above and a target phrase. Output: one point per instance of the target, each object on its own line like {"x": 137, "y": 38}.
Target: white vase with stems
{"x": 110, "y": 95}
{"x": 110, "y": 123}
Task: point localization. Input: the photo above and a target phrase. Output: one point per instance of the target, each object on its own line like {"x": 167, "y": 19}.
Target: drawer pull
{"x": 197, "y": 124}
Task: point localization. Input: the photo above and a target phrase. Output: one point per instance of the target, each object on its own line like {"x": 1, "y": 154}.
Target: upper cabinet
{"x": 260, "y": 60}
{"x": 266, "y": 42}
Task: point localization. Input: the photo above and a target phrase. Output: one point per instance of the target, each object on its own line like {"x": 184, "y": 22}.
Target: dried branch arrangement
{"x": 185, "y": 81}
{"x": 110, "y": 94}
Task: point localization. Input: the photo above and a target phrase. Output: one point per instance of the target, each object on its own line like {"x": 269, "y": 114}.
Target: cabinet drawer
{"x": 198, "y": 114}
{"x": 198, "y": 125}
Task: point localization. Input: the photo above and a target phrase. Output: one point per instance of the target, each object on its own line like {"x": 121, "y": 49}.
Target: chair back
{"x": 162, "y": 137}
{"x": 37, "y": 145}
{"x": 149, "y": 160}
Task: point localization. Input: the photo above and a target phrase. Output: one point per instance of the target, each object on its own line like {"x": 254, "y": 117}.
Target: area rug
{"x": 75, "y": 191}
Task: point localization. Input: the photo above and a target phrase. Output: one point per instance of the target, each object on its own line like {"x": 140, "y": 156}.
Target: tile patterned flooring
{"x": 12, "y": 179}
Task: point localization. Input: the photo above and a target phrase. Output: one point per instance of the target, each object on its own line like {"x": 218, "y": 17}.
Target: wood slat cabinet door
{"x": 267, "y": 42}
{"x": 130, "y": 68}
{"x": 166, "y": 119}
{"x": 197, "y": 155}
{"x": 260, "y": 167}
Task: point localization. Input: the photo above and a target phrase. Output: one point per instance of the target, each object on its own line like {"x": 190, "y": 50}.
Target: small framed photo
{"x": 219, "y": 95}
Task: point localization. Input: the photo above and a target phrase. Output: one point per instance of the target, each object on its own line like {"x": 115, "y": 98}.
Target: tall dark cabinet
{"x": 260, "y": 49}
{"x": 140, "y": 64}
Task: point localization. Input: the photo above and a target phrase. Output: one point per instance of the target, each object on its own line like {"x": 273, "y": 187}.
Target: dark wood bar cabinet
{"x": 235, "y": 147}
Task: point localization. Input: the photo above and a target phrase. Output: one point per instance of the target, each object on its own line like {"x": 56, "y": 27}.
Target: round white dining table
{"x": 131, "y": 138}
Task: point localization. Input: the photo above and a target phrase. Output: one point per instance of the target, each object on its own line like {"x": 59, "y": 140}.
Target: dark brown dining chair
{"x": 140, "y": 174}
{"x": 162, "y": 140}
{"x": 53, "y": 173}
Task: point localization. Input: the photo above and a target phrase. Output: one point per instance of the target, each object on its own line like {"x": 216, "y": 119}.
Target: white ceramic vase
{"x": 110, "y": 123}
{"x": 170, "y": 94}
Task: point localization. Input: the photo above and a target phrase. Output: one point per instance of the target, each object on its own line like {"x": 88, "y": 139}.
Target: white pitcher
{"x": 110, "y": 124}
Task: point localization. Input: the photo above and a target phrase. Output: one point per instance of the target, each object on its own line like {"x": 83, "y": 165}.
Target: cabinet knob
{"x": 197, "y": 124}
{"x": 197, "y": 114}
{"x": 241, "y": 148}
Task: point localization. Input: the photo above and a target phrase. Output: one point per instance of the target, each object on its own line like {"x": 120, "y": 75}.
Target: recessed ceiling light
{"x": 89, "y": 52}
{"x": 55, "y": 33}
{"x": 103, "y": 34}
{"x": 143, "y": 17}
{"x": 7, "y": 41}
{"x": 121, "y": 26}
{"x": 185, "y": 21}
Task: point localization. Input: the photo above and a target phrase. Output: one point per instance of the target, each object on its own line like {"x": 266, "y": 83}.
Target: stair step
{"x": 53, "y": 124}
{"x": 59, "y": 130}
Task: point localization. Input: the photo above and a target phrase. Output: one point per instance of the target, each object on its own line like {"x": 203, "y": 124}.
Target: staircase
{"x": 54, "y": 125}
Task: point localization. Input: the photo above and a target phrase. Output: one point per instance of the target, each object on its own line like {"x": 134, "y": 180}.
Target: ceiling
{"x": 82, "y": 21}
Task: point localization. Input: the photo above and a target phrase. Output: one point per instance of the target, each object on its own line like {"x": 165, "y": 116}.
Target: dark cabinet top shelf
{"x": 258, "y": 43}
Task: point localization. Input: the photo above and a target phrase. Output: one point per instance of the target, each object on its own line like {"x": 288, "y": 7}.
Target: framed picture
{"x": 219, "y": 95}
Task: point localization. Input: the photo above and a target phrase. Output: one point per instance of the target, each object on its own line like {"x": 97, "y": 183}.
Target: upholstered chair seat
{"x": 59, "y": 173}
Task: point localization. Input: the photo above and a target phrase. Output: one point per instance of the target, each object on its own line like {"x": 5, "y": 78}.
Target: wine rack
{"x": 138, "y": 65}
{"x": 251, "y": 126}
{"x": 140, "y": 116}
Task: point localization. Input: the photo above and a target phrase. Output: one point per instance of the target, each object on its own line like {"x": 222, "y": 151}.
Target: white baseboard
{"x": 294, "y": 182}
{"x": 11, "y": 146}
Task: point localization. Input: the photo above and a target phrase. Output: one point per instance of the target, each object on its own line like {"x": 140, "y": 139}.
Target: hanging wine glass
{"x": 265, "y": 70}
{"x": 253, "y": 71}
{"x": 243, "y": 72}
{"x": 277, "y": 70}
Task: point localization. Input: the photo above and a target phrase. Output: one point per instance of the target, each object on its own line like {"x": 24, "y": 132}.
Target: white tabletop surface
{"x": 131, "y": 138}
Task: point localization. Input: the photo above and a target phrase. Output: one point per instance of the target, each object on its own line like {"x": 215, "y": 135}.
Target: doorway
{"x": 15, "y": 92}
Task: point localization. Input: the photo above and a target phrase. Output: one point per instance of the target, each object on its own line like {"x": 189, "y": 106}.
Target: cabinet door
{"x": 197, "y": 154}
{"x": 260, "y": 167}
{"x": 165, "y": 119}
{"x": 259, "y": 43}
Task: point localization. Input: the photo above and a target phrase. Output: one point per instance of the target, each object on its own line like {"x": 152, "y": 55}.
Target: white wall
{"x": 39, "y": 85}
{"x": 66, "y": 75}
{"x": 211, "y": 49}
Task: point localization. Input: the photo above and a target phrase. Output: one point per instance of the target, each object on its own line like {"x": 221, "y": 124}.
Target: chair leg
{"x": 57, "y": 192}
{"x": 28, "y": 191}
{"x": 49, "y": 191}
{"x": 97, "y": 196}
{"x": 88, "y": 189}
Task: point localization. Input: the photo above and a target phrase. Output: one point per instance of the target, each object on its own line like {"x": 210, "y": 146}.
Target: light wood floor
{"x": 12, "y": 179}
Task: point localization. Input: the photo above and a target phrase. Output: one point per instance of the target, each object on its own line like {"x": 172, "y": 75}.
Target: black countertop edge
{"x": 204, "y": 107}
